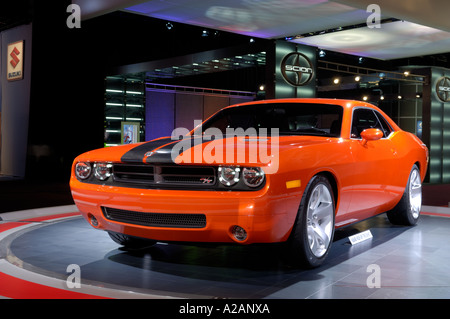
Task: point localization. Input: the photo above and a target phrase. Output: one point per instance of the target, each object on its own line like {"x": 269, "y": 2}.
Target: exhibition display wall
{"x": 15, "y": 98}
{"x": 170, "y": 109}
{"x": 436, "y": 123}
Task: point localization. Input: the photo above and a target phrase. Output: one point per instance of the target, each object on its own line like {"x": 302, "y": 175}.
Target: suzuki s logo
{"x": 14, "y": 55}
{"x": 443, "y": 89}
{"x": 206, "y": 180}
{"x": 296, "y": 69}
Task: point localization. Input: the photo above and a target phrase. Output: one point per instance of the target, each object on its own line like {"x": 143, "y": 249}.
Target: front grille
{"x": 134, "y": 173}
{"x": 155, "y": 219}
{"x": 156, "y": 175}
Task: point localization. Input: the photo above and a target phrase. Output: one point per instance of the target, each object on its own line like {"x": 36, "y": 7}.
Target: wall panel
{"x": 160, "y": 114}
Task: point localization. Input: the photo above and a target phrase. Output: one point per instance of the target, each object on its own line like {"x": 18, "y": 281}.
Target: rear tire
{"x": 407, "y": 211}
{"x": 130, "y": 242}
{"x": 313, "y": 231}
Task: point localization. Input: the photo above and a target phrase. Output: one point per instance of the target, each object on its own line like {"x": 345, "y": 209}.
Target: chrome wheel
{"x": 407, "y": 211}
{"x": 312, "y": 235}
{"x": 415, "y": 193}
{"x": 319, "y": 220}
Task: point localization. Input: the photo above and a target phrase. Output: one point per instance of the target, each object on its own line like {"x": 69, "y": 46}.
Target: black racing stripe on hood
{"x": 166, "y": 154}
{"x": 137, "y": 154}
{"x": 162, "y": 150}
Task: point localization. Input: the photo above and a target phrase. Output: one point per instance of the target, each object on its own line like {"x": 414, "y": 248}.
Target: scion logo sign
{"x": 297, "y": 69}
{"x": 443, "y": 89}
{"x": 15, "y": 61}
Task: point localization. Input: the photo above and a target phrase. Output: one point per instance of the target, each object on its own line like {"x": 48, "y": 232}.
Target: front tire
{"x": 313, "y": 232}
{"x": 407, "y": 211}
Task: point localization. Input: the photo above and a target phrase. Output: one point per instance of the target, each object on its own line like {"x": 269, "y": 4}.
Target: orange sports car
{"x": 276, "y": 171}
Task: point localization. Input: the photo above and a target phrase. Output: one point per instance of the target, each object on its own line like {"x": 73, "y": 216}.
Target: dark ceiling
{"x": 14, "y": 13}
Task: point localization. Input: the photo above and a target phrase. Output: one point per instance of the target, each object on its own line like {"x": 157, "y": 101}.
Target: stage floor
{"x": 45, "y": 253}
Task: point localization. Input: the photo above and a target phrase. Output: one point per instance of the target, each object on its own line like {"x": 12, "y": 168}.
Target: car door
{"x": 374, "y": 165}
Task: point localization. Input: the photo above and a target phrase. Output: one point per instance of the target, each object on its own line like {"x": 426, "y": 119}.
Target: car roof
{"x": 346, "y": 104}
{"x": 342, "y": 102}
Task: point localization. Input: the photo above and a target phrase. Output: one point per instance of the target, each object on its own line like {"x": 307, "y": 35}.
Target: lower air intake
{"x": 155, "y": 219}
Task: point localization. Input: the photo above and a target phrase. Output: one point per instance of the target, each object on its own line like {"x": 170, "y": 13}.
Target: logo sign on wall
{"x": 14, "y": 63}
{"x": 297, "y": 69}
{"x": 443, "y": 89}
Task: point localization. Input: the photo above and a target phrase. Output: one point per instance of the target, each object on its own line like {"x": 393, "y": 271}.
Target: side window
{"x": 364, "y": 119}
{"x": 386, "y": 128}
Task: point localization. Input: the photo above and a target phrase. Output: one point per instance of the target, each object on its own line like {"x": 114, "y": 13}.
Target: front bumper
{"x": 266, "y": 215}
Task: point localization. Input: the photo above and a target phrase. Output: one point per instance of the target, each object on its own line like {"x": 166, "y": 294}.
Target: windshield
{"x": 288, "y": 118}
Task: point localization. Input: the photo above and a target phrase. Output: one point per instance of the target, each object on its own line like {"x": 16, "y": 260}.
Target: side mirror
{"x": 370, "y": 134}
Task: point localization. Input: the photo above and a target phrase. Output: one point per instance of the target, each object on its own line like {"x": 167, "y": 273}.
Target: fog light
{"x": 93, "y": 221}
{"x": 239, "y": 233}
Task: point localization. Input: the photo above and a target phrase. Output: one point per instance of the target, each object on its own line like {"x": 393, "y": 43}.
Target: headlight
{"x": 102, "y": 171}
{"x": 83, "y": 170}
{"x": 253, "y": 176}
{"x": 229, "y": 175}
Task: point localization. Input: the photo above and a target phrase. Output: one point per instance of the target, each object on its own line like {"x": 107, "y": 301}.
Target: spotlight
{"x": 262, "y": 87}
{"x": 357, "y": 78}
{"x": 252, "y": 40}
{"x": 406, "y": 73}
{"x": 169, "y": 26}
{"x": 205, "y": 33}
{"x": 365, "y": 97}
{"x": 382, "y": 97}
{"x": 361, "y": 60}
{"x": 322, "y": 53}
{"x": 399, "y": 97}
{"x": 336, "y": 81}
{"x": 382, "y": 75}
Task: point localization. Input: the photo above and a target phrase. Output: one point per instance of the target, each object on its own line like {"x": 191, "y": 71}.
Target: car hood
{"x": 245, "y": 150}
